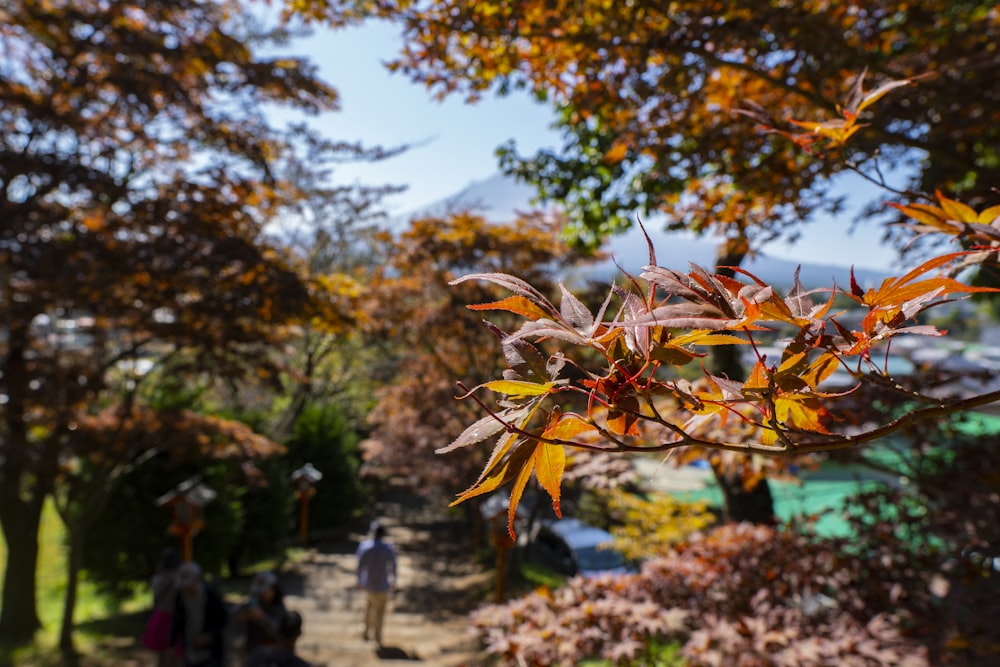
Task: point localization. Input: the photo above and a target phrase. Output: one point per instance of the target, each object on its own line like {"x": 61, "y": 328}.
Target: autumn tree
{"x": 334, "y": 239}
{"x": 666, "y": 319}
{"x": 657, "y": 104}
{"x": 85, "y": 483}
{"x": 646, "y": 93}
{"x": 137, "y": 173}
{"x": 431, "y": 339}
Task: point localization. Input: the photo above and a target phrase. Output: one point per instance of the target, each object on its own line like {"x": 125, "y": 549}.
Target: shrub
{"x": 324, "y": 437}
{"x": 249, "y": 515}
{"x": 740, "y": 594}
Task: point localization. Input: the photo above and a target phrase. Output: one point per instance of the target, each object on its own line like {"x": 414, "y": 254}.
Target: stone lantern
{"x": 304, "y": 479}
{"x": 186, "y": 501}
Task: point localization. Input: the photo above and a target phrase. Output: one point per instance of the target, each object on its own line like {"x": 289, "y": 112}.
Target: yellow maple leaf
{"x": 567, "y": 427}
{"x": 550, "y": 463}
{"x": 518, "y": 388}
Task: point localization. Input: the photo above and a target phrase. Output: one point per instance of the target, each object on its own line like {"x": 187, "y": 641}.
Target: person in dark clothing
{"x": 200, "y": 619}
{"x": 263, "y": 612}
{"x": 281, "y": 654}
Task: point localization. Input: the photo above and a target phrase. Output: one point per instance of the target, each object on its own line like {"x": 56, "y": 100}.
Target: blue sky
{"x": 456, "y": 141}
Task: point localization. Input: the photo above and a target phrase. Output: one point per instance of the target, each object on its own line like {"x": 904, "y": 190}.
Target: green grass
{"x": 537, "y": 575}
{"x": 656, "y": 655}
{"x": 102, "y": 621}
{"x": 99, "y": 614}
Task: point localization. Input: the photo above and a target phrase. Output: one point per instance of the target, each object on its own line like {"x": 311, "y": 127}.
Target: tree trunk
{"x": 755, "y": 505}
{"x": 739, "y": 504}
{"x": 21, "y": 500}
{"x": 73, "y": 561}
{"x": 19, "y": 613}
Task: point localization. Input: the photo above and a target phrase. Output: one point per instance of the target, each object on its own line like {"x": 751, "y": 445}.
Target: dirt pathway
{"x": 438, "y": 584}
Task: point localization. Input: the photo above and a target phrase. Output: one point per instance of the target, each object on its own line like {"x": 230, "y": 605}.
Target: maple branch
{"x": 790, "y": 446}
{"x": 511, "y": 428}
{"x": 129, "y": 351}
{"x": 660, "y": 419}
{"x": 887, "y": 382}
{"x": 880, "y": 180}
{"x": 836, "y": 442}
{"x": 607, "y": 435}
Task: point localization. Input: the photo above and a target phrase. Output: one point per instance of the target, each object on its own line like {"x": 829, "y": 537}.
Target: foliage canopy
{"x": 138, "y": 171}
{"x": 645, "y": 93}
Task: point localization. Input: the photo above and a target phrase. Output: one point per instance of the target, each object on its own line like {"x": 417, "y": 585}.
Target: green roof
{"x": 818, "y": 492}
{"x": 829, "y": 487}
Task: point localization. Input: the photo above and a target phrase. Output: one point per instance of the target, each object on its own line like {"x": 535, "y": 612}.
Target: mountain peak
{"x": 500, "y": 198}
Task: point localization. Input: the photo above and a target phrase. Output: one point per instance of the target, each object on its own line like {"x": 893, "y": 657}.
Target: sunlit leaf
{"x": 802, "y": 412}
{"x": 623, "y": 420}
{"x": 513, "y": 466}
{"x": 758, "y": 379}
{"x": 988, "y": 215}
{"x": 896, "y": 291}
{"x": 517, "y": 388}
{"x": 880, "y": 92}
{"x": 550, "y": 462}
{"x": 567, "y": 427}
{"x": 574, "y": 311}
{"x": 520, "y": 482}
{"x": 706, "y": 337}
{"x": 518, "y": 305}
{"x": 548, "y": 329}
{"x": 956, "y": 210}
{"x": 481, "y": 430}
{"x": 512, "y": 283}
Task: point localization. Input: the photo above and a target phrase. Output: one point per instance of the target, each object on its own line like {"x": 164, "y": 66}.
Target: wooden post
{"x": 185, "y": 515}
{"x": 503, "y": 543}
{"x": 304, "y": 519}
{"x": 304, "y": 479}
{"x": 187, "y": 545}
{"x": 185, "y": 503}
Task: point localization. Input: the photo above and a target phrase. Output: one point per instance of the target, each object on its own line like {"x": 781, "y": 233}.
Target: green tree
{"x": 334, "y": 239}
{"x": 324, "y": 436}
{"x": 122, "y": 529}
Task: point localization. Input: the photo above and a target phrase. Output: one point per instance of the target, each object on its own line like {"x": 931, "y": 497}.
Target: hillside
{"x": 500, "y": 198}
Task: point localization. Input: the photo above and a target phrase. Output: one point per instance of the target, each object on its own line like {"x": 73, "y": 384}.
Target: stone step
{"x": 419, "y": 626}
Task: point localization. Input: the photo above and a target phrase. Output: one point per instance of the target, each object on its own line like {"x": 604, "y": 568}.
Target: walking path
{"x": 439, "y": 583}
